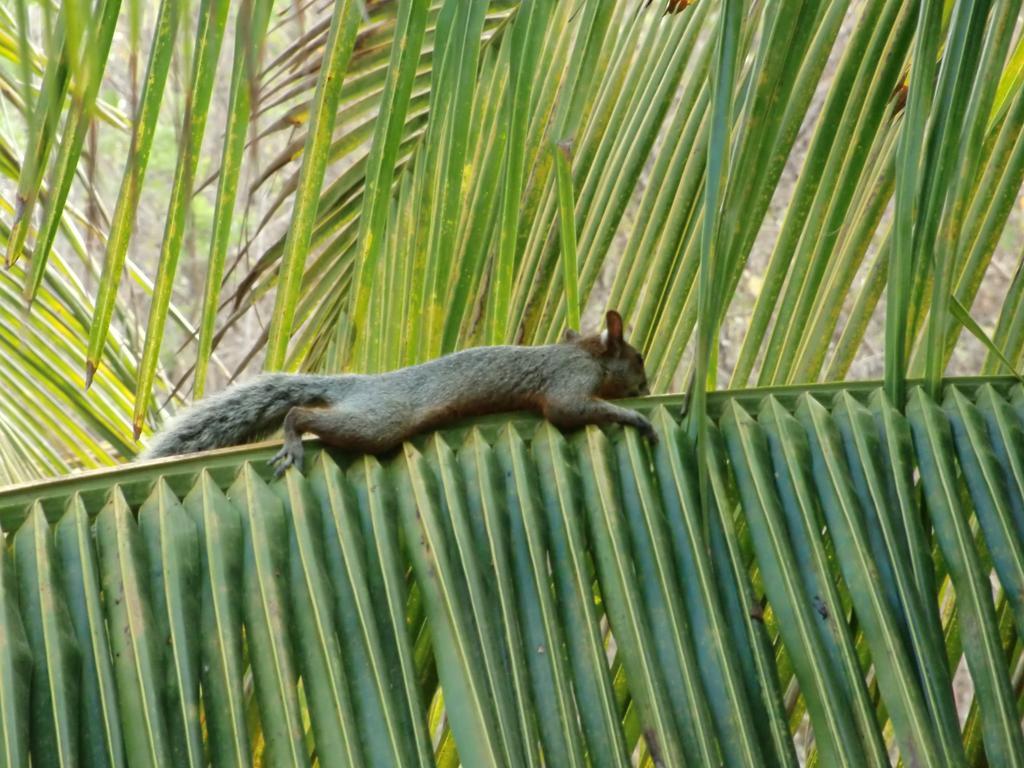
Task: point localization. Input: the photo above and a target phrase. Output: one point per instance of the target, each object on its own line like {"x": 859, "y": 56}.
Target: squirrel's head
{"x": 623, "y": 365}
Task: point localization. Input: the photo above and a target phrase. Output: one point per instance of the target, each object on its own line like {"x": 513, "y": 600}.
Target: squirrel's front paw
{"x": 290, "y": 455}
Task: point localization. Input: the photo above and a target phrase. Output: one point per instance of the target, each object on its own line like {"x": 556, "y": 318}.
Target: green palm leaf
{"x": 794, "y": 575}
{"x": 435, "y": 514}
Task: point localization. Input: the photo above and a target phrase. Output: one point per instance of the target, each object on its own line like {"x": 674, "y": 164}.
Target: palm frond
{"x": 573, "y": 606}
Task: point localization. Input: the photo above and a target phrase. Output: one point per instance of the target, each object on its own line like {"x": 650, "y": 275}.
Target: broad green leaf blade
{"x": 720, "y": 671}
{"x": 526, "y": 34}
{"x": 746, "y": 616}
{"x": 934, "y": 445}
{"x": 465, "y": 530}
{"x": 390, "y": 594}
{"x": 1009, "y": 83}
{"x": 948, "y": 165}
{"x": 480, "y": 732}
{"x": 101, "y": 738}
{"x": 483, "y": 494}
{"x": 328, "y": 696}
{"x": 44, "y": 119}
{"x": 219, "y": 527}
{"x": 791, "y": 456}
{"x": 76, "y": 129}
{"x": 567, "y": 227}
{"x": 55, "y": 682}
{"x": 250, "y": 28}
{"x": 132, "y": 632}
{"x": 337, "y": 52}
{"x": 123, "y": 219}
{"x": 573, "y": 586}
{"x": 212, "y": 18}
{"x": 908, "y": 192}
{"x": 15, "y": 669}
{"x": 989, "y": 494}
{"x": 378, "y": 708}
{"x": 1008, "y": 445}
{"x": 622, "y": 547}
{"x": 74, "y": 13}
{"x": 603, "y": 502}
{"x": 549, "y": 666}
{"x": 723, "y": 84}
{"x": 172, "y": 548}
{"x": 915, "y": 731}
{"x": 266, "y": 616}
{"x": 896, "y": 543}
{"x": 666, "y": 613}
{"x": 831, "y": 715}
{"x": 381, "y": 164}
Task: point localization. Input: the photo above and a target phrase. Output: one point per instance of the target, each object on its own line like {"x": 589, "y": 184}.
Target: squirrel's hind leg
{"x": 337, "y": 426}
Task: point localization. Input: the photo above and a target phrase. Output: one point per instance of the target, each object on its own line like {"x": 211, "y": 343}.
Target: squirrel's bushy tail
{"x": 239, "y": 414}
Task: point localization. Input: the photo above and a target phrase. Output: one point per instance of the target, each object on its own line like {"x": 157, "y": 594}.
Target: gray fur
{"x": 241, "y": 413}
{"x": 376, "y": 413}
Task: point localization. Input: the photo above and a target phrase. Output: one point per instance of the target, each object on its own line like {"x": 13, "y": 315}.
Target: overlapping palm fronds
{"x": 422, "y": 213}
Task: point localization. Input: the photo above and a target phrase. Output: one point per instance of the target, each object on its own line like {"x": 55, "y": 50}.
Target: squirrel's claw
{"x": 648, "y": 431}
{"x": 288, "y": 456}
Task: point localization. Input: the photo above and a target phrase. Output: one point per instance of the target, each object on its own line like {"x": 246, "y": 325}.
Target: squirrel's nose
{"x": 645, "y": 390}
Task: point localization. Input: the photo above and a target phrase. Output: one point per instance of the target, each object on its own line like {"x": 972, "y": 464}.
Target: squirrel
{"x": 565, "y": 382}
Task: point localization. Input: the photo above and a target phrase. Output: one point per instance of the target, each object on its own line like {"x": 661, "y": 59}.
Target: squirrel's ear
{"x": 613, "y": 322}
{"x": 571, "y": 335}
